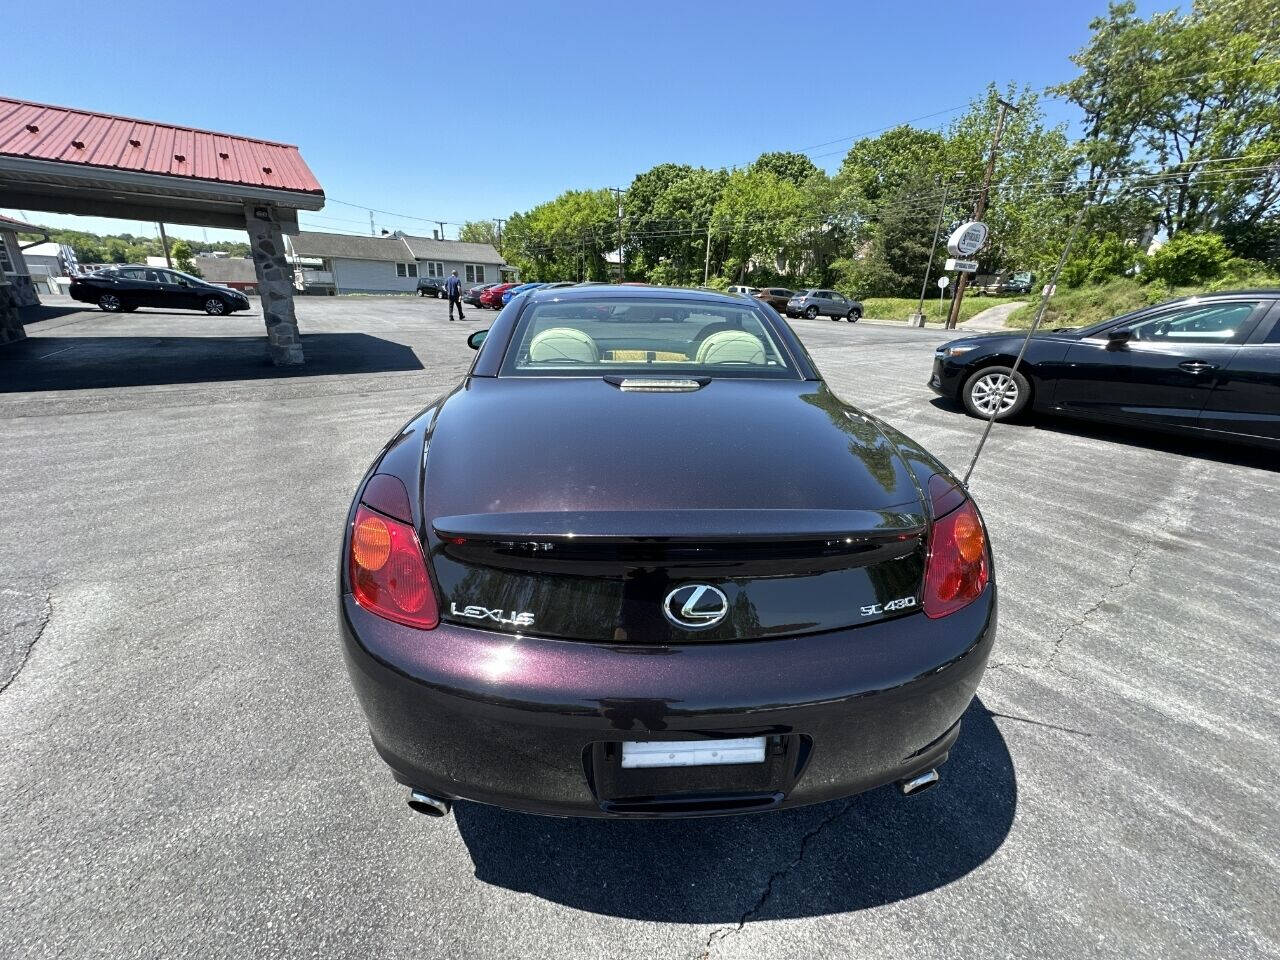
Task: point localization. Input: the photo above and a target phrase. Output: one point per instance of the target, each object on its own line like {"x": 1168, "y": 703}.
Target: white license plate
{"x": 692, "y": 753}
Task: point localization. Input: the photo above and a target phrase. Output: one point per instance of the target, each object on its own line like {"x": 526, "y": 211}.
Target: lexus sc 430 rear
{"x": 642, "y": 562}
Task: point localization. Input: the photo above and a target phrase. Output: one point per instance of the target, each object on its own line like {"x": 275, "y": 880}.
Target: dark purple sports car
{"x": 642, "y": 562}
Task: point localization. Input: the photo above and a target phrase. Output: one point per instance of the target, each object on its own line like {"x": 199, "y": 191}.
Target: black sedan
{"x": 1208, "y": 365}
{"x": 641, "y": 562}
{"x": 431, "y": 287}
{"x": 130, "y": 287}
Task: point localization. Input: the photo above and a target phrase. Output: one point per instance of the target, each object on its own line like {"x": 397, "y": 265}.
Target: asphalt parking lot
{"x": 184, "y": 770}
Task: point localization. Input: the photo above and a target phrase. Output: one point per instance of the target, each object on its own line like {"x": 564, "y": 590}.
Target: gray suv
{"x": 823, "y": 303}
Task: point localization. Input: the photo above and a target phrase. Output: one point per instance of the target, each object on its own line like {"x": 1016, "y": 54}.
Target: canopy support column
{"x": 11, "y": 328}
{"x": 275, "y": 285}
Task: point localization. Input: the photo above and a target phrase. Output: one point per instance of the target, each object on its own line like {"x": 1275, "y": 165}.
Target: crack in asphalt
{"x": 45, "y": 617}
{"x": 766, "y": 894}
{"x": 1111, "y": 589}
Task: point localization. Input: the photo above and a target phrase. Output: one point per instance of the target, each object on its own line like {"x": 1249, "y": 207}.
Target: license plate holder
{"x": 650, "y": 754}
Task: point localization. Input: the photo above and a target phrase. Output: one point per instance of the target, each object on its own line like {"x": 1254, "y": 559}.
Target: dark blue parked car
{"x": 506, "y": 297}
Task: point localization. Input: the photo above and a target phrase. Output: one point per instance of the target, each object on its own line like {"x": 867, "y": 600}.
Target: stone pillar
{"x": 275, "y": 285}
{"x": 10, "y": 322}
{"x": 23, "y": 291}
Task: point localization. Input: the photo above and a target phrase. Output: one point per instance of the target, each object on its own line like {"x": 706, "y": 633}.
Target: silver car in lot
{"x": 823, "y": 303}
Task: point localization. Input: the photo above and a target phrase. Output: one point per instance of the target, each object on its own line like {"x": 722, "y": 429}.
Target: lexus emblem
{"x": 695, "y": 606}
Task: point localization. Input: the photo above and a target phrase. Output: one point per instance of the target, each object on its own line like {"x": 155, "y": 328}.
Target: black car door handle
{"x": 1197, "y": 366}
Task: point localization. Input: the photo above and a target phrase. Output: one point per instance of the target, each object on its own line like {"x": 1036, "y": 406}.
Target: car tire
{"x": 110, "y": 302}
{"x": 854, "y": 315}
{"x": 811, "y": 313}
{"x": 981, "y": 390}
{"x": 215, "y": 306}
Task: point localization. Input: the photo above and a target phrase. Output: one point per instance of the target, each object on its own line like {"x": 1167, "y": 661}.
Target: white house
{"x": 13, "y": 264}
{"x": 329, "y": 263}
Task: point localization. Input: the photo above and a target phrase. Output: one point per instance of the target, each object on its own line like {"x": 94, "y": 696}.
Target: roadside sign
{"x": 942, "y": 282}
{"x": 964, "y": 266}
{"x": 967, "y": 239}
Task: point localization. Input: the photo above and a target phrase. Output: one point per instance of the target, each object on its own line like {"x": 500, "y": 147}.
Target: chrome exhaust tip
{"x": 429, "y": 806}
{"x": 919, "y": 783}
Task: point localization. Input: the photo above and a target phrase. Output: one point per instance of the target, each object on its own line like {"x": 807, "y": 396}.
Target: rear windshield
{"x": 645, "y": 336}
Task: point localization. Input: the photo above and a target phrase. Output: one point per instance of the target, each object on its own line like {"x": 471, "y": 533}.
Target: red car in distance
{"x": 492, "y": 298}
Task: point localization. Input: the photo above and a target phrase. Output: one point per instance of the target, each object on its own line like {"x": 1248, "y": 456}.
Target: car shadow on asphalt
{"x": 834, "y": 857}
{"x": 1201, "y": 447}
{"x": 82, "y": 363}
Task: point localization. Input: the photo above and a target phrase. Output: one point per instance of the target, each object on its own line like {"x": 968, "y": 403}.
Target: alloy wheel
{"x": 214, "y": 307}
{"x": 994, "y": 392}
{"x": 109, "y": 302}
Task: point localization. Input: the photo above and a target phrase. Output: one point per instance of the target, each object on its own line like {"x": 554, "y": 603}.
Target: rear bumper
{"x": 534, "y": 724}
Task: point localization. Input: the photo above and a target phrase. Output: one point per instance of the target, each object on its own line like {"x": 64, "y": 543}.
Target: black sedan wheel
{"x": 997, "y": 389}
{"x": 215, "y": 307}
{"x": 854, "y": 315}
{"x": 811, "y": 313}
{"x": 110, "y": 302}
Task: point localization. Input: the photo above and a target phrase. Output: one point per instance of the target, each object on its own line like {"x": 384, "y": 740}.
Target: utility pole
{"x": 499, "y": 221}
{"x": 373, "y": 232}
{"x": 942, "y": 209}
{"x": 622, "y": 259}
{"x": 981, "y": 208}
{"x": 706, "y": 264}
{"x": 164, "y": 242}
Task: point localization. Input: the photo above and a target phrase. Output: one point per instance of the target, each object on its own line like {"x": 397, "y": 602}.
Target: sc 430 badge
{"x": 512, "y": 619}
{"x": 903, "y": 603}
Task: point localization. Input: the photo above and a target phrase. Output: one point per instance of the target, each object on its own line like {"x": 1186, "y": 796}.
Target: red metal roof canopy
{"x": 20, "y": 225}
{"x": 41, "y": 132}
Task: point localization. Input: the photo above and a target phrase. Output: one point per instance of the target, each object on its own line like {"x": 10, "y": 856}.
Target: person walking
{"x": 453, "y": 287}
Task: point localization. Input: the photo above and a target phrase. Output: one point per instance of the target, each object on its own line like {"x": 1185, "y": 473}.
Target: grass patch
{"x": 1085, "y": 306}
{"x": 935, "y": 311}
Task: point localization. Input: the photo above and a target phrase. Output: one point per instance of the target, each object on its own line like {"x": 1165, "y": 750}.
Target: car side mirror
{"x": 1119, "y": 337}
{"x": 476, "y": 339}
{"x": 183, "y": 283}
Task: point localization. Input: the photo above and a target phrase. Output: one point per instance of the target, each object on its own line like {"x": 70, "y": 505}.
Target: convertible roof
{"x": 636, "y": 292}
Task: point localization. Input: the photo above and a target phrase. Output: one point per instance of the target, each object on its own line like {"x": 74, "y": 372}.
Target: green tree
{"x": 1031, "y": 202}
{"x": 1193, "y": 99}
{"x": 565, "y": 238}
{"x": 1255, "y": 241}
{"x": 480, "y": 231}
{"x": 653, "y": 229}
{"x": 766, "y": 222}
{"x": 671, "y": 240}
{"x": 887, "y": 193}
{"x": 795, "y": 167}
{"x": 1187, "y": 259}
{"x": 183, "y": 258}
{"x": 1098, "y": 257}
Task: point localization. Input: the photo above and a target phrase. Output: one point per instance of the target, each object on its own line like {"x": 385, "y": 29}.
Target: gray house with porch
{"x": 330, "y": 263}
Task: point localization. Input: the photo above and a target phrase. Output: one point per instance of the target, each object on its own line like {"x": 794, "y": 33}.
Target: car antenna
{"x": 1045, "y": 293}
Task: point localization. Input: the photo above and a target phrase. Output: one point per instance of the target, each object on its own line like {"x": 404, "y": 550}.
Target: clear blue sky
{"x": 492, "y": 107}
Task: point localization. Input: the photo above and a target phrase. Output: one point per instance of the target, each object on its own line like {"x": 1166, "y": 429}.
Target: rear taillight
{"x": 958, "y": 567}
{"x": 388, "y": 571}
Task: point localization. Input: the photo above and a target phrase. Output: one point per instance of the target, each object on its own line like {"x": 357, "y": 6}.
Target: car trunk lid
{"x": 584, "y": 507}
